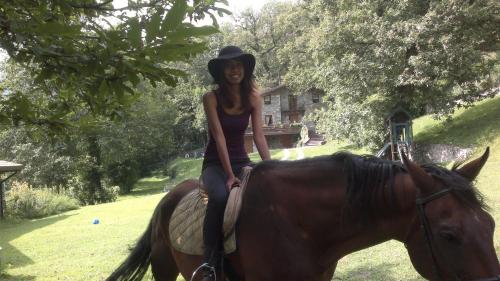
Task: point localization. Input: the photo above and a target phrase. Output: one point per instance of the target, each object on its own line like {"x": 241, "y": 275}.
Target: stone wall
{"x": 274, "y": 109}
{"x": 439, "y": 153}
{"x": 279, "y": 106}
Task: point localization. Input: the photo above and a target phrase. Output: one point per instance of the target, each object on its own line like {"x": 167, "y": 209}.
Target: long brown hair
{"x": 247, "y": 86}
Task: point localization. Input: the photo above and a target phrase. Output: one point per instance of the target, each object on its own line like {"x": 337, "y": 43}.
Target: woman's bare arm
{"x": 258, "y": 132}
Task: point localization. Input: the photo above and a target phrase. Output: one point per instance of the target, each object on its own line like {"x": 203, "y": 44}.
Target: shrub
{"x": 124, "y": 175}
{"x": 79, "y": 189}
{"x": 23, "y": 201}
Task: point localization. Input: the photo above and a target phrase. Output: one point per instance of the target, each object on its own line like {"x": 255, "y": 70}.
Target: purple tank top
{"x": 233, "y": 127}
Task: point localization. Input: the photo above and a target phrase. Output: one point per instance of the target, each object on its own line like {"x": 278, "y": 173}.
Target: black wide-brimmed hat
{"x": 230, "y": 53}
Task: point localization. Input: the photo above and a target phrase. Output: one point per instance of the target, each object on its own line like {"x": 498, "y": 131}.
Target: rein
{"x": 425, "y": 225}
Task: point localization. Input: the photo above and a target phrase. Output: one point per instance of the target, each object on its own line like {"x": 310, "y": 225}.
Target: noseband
{"x": 424, "y": 224}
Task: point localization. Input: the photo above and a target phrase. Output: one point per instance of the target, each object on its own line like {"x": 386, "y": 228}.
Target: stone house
{"x": 281, "y": 111}
{"x": 282, "y": 107}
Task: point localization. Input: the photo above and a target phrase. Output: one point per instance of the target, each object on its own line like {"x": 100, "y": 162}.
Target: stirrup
{"x": 204, "y": 267}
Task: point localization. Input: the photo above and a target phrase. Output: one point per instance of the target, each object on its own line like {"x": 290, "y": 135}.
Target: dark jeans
{"x": 214, "y": 178}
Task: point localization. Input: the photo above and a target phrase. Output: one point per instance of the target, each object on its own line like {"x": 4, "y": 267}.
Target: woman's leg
{"x": 214, "y": 180}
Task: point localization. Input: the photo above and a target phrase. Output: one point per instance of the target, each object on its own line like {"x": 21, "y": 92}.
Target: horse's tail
{"x": 137, "y": 263}
{"x": 153, "y": 248}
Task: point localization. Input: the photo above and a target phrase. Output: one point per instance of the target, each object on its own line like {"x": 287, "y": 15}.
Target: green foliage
{"x": 189, "y": 129}
{"x": 79, "y": 188}
{"x": 99, "y": 152}
{"x": 263, "y": 33}
{"x": 372, "y": 56}
{"x": 26, "y": 202}
{"x": 355, "y": 124}
{"x": 367, "y": 57}
{"x": 92, "y": 55}
{"x": 103, "y": 152}
{"x": 143, "y": 140}
{"x": 124, "y": 174}
{"x": 47, "y": 160}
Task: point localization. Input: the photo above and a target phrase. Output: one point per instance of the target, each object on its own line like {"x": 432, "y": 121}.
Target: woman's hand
{"x": 231, "y": 182}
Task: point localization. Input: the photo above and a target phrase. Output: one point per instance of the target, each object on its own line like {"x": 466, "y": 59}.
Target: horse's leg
{"x": 187, "y": 264}
{"x": 328, "y": 275}
{"x": 162, "y": 263}
{"x": 233, "y": 267}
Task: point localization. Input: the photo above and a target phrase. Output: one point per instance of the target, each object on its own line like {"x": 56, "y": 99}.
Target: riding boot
{"x": 213, "y": 251}
{"x": 214, "y": 178}
{"x": 213, "y": 261}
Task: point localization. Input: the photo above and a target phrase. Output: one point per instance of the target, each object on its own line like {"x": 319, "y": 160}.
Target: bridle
{"x": 425, "y": 225}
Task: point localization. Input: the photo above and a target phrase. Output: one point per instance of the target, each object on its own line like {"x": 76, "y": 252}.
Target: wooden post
{"x": 6, "y": 167}
{"x": 1, "y": 200}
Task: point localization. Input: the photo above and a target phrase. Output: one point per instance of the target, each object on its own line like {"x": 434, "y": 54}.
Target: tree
{"x": 372, "y": 55}
{"x": 263, "y": 33}
{"x": 79, "y": 65}
{"x": 47, "y": 161}
{"x": 89, "y": 54}
{"x": 142, "y": 141}
{"x": 93, "y": 153}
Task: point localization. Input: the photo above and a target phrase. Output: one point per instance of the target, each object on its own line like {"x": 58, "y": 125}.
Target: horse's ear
{"x": 472, "y": 169}
{"x": 422, "y": 179}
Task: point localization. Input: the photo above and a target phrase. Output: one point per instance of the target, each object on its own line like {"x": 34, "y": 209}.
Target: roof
{"x": 272, "y": 91}
{"x": 398, "y": 109}
{"x": 6, "y": 166}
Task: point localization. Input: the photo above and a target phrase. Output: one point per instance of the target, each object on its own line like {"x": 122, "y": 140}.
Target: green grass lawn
{"x": 476, "y": 126}
{"x": 70, "y": 247}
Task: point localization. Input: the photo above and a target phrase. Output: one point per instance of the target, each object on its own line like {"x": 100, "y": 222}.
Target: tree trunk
{"x": 94, "y": 173}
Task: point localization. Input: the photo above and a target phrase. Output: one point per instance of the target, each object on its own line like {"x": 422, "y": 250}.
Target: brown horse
{"x": 299, "y": 218}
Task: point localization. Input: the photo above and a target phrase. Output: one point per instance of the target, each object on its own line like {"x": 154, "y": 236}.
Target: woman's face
{"x": 234, "y": 71}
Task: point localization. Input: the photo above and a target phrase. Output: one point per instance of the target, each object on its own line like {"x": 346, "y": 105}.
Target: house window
{"x": 267, "y": 99}
{"x": 268, "y": 120}
{"x": 292, "y": 102}
{"x": 315, "y": 98}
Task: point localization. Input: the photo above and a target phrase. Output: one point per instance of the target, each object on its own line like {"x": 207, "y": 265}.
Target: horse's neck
{"x": 393, "y": 224}
{"x": 318, "y": 207}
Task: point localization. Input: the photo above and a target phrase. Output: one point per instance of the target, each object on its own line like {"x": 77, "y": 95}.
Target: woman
{"x": 228, "y": 109}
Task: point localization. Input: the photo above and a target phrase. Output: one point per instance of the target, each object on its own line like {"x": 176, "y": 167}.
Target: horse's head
{"x": 452, "y": 235}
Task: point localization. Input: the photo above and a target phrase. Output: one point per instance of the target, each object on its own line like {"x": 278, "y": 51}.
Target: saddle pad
{"x": 186, "y": 226}
{"x": 233, "y": 205}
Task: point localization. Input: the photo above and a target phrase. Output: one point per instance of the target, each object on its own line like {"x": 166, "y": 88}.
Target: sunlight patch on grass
{"x": 474, "y": 126}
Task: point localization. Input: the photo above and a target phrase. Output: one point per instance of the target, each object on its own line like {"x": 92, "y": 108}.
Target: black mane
{"x": 369, "y": 175}
{"x": 370, "y": 178}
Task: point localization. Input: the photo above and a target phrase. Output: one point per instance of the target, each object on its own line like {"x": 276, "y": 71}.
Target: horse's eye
{"x": 450, "y": 237}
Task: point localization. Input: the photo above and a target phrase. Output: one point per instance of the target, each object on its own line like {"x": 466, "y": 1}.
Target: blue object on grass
{"x": 96, "y": 221}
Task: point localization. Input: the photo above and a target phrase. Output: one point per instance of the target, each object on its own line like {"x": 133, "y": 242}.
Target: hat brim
{"x": 215, "y": 64}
